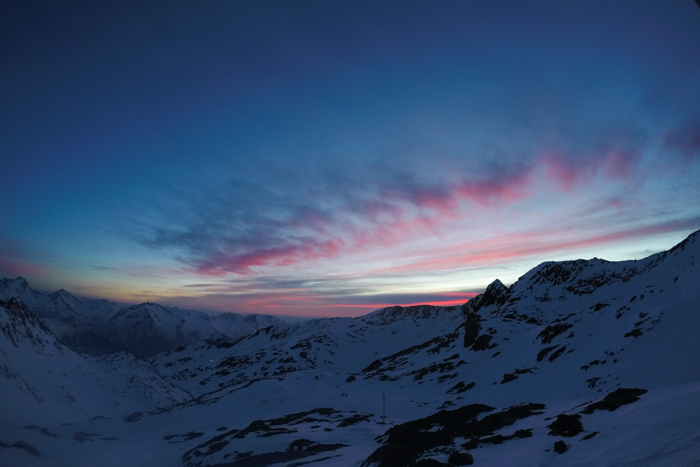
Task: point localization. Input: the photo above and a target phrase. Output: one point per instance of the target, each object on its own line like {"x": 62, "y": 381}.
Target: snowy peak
{"x": 151, "y": 312}
{"x": 99, "y": 327}
{"x": 541, "y": 289}
{"x": 62, "y": 306}
{"x": 19, "y": 288}
{"x": 691, "y": 241}
{"x": 20, "y": 326}
{"x": 553, "y": 273}
{"x": 19, "y": 283}
{"x": 681, "y": 255}
{"x": 495, "y": 294}
{"x": 257, "y": 321}
{"x": 149, "y": 328}
{"x": 145, "y": 329}
{"x": 578, "y": 274}
{"x": 388, "y": 315}
{"x": 65, "y": 298}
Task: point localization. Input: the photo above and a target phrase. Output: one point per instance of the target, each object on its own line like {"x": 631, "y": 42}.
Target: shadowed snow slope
{"x": 100, "y": 327}
{"x": 584, "y": 362}
{"x": 44, "y": 381}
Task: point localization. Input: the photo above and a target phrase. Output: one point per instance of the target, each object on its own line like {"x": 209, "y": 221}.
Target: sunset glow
{"x": 328, "y": 159}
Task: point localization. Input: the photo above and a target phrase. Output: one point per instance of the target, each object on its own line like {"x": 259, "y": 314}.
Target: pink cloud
{"x": 279, "y": 256}
{"x": 298, "y": 300}
{"x": 409, "y": 208}
{"x": 570, "y": 171}
{"x": 500, "y": 250}
{"x": 563, "y": 171}
{"x": 22, "y": 268}
{"x": 512, "y": 187}
{"x": 386, "y": 220}
{"x": 614, "y": 156}
{"x": 619, "y": 164}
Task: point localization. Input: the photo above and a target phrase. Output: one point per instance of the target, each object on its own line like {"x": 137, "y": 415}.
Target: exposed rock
{"x": 560, "y": 447}
{"x": 552, "y": 331}
{"x": 460, "y": 458}
{"x": 404, "y": 444}
{"x": 566, "y": 425}
{"x": 615, "y": 399}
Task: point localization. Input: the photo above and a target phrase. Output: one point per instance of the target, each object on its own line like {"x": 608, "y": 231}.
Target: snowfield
{"x": 578, "y": 363}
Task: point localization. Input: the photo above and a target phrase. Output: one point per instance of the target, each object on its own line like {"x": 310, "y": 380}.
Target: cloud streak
{"x": 346, "y": 150}
{"x": 20, "y": 260}
{"x": 289, "y": 225}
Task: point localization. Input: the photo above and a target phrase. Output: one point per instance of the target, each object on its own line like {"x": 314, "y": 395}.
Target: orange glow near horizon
{"x": 377, "y": 306}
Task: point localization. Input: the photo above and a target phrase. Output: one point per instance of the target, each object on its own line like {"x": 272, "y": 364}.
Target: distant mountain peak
{"x": 99, "y": 326}
{"x": 17, "y": 283}
{"x": 63, "y": 294}
{"x": 21, "y": 281}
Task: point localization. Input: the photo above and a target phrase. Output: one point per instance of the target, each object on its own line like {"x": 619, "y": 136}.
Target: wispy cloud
{"x": 685, "y": 140}
{"x": 614, "y": 158}
{"x": 19, "y": 260}
{"x": 240, "y": 227}
{"x": 400, "y": 152}
{"x": 9, "y": 268}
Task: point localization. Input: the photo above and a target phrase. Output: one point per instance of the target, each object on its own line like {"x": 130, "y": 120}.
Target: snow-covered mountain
{"x": 584, "y": 362}
{"x": 45, "y": 381}
{"x": 148, "y": 328}
{"x": 100, "y": 327}
{"x": 337, "y": 345}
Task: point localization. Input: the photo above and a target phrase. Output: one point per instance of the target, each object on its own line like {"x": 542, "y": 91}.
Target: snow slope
{"x": 44, "y": 381}
{"x": 583, "y": 362}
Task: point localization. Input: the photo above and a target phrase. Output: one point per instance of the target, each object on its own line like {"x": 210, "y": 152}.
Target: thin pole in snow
{"x": 383, "y": 408}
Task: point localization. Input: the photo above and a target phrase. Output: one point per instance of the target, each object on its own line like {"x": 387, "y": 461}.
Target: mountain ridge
{"x": 99, "y": 326}
{"x": 585, "y": 362}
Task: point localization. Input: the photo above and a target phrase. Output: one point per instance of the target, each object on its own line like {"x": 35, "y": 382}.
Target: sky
{"x": 318, "y": 158}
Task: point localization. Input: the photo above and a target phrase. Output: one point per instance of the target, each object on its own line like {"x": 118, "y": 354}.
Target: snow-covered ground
{"x": 601, "y": 356}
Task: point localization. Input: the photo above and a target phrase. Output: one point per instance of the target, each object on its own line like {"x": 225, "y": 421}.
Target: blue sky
{"x": 326, "y": 158}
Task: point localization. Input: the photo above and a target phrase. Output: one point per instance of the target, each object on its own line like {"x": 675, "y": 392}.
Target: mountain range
{"x": 584, "y": 362}
{"x": 99, "y": 327}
